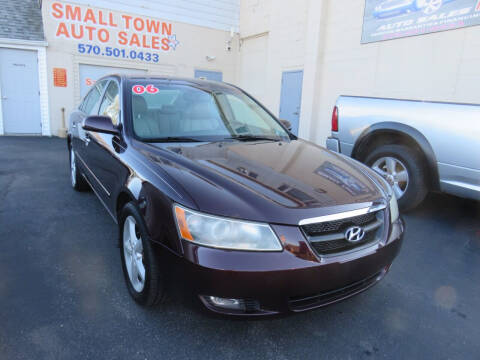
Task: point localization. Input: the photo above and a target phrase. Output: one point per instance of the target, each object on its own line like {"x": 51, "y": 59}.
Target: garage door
{"x": 90, "y": 73}
{"x": 20, "y": 92}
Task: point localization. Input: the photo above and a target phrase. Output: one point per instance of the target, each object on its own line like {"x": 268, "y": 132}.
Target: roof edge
{"x": 36, "y": 43}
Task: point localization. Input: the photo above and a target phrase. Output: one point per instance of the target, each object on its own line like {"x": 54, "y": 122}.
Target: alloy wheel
{"x": 395, "y": 172}
{"x": 133, "y": 253}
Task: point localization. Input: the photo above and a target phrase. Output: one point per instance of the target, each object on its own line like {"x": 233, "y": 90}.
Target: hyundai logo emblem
{"x": 354, "y": 234}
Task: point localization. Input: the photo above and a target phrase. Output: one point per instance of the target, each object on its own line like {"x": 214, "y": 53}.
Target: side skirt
{"x": 99, "y": 198}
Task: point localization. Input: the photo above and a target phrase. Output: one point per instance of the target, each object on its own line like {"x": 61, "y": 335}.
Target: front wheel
{"x": 140, "y": 263}
{"x": 404, "y": 170}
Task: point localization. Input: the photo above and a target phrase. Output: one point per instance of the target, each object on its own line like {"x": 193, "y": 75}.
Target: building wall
{"x": 216, "y": 14}
{"x": 440, "y": 66}
{"x": 195, "y": 44}
{"x": 272, "y": 40}
{"x": 323, "y": 37}
{"x": 320, "y": 37}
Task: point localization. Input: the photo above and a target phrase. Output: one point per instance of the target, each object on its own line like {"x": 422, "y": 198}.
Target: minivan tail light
{"x": 335, "y": 119}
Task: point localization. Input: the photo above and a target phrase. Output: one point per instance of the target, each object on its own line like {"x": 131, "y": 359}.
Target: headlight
{"x": 394, "y": 214}
{"x": 224, "y": 233}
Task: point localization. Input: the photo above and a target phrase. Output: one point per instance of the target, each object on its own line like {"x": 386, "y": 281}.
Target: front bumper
{"x": 292, "y": 280}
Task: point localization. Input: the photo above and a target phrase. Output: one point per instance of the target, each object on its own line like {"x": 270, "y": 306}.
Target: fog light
{"x": 232, "y": 304}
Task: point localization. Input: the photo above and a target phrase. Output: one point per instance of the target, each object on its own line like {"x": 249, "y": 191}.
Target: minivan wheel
{"x": 140, "y": 263}
{"x": 404, "y": 170}
{"x": 77, "y": 180}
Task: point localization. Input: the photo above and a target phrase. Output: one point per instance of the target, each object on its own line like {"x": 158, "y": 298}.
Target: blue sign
{"x": 392, "y": 19}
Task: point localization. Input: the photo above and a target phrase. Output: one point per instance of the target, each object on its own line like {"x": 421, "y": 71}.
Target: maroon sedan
{"x": 259, "y": 221}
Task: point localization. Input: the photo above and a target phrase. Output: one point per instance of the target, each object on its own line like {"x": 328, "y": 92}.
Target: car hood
{"x": 275, "y": 182}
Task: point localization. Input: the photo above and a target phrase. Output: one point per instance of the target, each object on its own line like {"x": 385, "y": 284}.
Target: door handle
{"x": 4, "y": 98}
{"x": 87, "y": 139}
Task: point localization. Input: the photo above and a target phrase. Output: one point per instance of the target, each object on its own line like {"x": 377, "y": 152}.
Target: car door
{"x": 89, "y": 106}
{"x": 104, "y": 150}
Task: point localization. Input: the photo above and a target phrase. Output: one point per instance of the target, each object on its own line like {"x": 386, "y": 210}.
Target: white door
{"x": 20, "y": 91}
{"x": 91, "y": 73}
{"x": 291, "y": 98}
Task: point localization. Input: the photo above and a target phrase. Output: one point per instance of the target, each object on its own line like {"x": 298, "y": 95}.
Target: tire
{"x": 145, "y": 286}
{"x": 410, "y": 193}
{"x": 76, "y": 179}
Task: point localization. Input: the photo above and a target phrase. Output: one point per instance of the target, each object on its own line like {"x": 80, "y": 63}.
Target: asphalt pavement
{"x": 62, "y": 292}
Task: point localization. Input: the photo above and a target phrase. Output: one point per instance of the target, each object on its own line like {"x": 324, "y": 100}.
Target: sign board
{"x": 110, "y": 34}
{"x": 391, "y": 19}
{"x": 59, "y": 77}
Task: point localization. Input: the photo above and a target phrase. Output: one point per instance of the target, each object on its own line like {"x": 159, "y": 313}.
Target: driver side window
{"x": 93, "y": 97}
{"x": 110, "y": 105}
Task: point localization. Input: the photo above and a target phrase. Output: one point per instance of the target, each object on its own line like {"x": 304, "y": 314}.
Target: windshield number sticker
{"x": 140, "y": 89}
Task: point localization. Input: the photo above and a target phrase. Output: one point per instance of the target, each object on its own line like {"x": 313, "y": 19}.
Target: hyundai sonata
{"x": 259, "y": 221}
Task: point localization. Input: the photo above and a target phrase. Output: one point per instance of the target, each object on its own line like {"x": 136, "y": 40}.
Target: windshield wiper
{"x": 253, "y": 138}
{"x": 173, "y": 139}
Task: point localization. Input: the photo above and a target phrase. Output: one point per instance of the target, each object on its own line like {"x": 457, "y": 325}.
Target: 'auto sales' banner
{"x": 391, "y": 19}
{"x": 106, "y": 33}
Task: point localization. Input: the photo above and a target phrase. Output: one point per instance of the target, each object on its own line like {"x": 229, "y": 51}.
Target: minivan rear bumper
{"x": 292, "y": 280}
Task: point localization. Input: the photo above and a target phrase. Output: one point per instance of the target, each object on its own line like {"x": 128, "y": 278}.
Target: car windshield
{"x": 173, "y": 112}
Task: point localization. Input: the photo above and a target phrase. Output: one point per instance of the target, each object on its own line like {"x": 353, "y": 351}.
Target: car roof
{"x": 206, "y": 84}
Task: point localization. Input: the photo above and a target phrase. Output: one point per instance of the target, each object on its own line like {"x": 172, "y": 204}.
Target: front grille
{"x": 302, "y": 303}
{"x": 335, "y": 246}
{"x": 337, "y": 225}
{"x": 328, "y": 238}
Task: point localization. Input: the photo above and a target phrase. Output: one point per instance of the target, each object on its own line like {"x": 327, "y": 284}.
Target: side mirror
{"x": 287, "y": 124}
{"x": 100, "y": 124}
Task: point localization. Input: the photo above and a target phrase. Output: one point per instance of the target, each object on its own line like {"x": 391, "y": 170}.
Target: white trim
{"x": 34, "y": 43}
{"x": 1, "y": 114}
{"x": 43, "y": 85}
{"x": 343, "y": 215}
{"x": 313, "y": 67}
{"x": 39, "y": 47}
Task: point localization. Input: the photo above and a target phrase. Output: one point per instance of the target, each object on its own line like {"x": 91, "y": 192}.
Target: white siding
{"x": 216, "y": 14}
{"x": 43, "y": 82}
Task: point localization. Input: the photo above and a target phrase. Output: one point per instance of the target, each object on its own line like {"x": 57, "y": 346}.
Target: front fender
{"x": 413, "y": 134}
{"x": 157, "y": 210}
